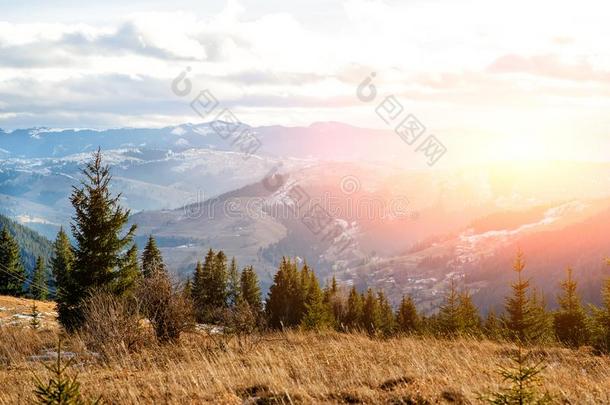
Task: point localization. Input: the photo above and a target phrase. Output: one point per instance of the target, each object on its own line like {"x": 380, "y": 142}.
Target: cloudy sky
{"x": 521, "y": 77}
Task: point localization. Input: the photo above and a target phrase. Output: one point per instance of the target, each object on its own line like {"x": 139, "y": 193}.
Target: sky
{"x": 500, "y": 80}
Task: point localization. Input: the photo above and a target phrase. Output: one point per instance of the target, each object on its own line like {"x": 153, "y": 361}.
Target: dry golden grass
{"x": 298, "y": 367}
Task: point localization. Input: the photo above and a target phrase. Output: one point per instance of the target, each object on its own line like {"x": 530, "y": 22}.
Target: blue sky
{"x": 488, "y": 76}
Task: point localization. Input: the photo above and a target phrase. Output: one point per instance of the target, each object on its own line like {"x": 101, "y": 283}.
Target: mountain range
{"x": 389, "y": 221}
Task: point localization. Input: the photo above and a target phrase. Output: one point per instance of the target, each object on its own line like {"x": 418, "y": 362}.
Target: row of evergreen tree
{"x": 103, "y": 257}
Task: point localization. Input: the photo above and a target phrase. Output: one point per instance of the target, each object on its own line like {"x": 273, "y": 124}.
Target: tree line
{"x": 105, "y": 258}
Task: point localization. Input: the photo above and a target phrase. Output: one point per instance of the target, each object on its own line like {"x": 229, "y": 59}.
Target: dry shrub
{"x": 19, "y": 342}
{"x": 112, "y": 324}
{"x": 168, "y": 310}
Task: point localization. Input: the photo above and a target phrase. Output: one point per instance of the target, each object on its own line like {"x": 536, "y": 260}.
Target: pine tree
{"x": 542, "y": 320}
{"x": 233, "y": 285}
{"x": 407, "y": 318}
{"x": 61, "y": 261}
{"x": 316, "y": 314}
{"x": 199, "y": 291}
{"x": 520, "y": 322}
{"x": 387, "y": 322}
{"x": 279, "y": 303}
{"x": 12, "y": 272}
{"x": 449, "y": 316}
{"x": 470, "y": 320}
{"x": 250, "y": 290}
{"x": 524, "y": 379}
{"x": 35, "y": 314}
{"x": 218, "y": 282}
{"x": 38, "y": 286}
{"x": 129, "y": 273}
{"x": 102, "y": 257}
{"x": 301, "y": 292}
{"x": 371, "y": 315}
{"x": 570, "y": 321}
{"x": 152, "y": 260}
{"x": 61, "y": 389}
{"x": 353, "y": 313}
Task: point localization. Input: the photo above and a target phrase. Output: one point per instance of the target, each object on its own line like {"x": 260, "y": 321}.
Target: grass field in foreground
{"x": 297, "y": 367}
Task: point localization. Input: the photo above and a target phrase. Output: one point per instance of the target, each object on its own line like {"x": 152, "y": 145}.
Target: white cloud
{"x": 302, "y": 63}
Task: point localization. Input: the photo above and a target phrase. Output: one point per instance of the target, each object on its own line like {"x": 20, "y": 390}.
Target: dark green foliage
{"x": 103, "y": 259}
{"x": 61, "y": 389}
{"x": 129, "y": 273}
{"x": 152, "y": 260}
{"x": 31, "y": 243}
{"x": 198, "y": 290}
{"x": 61, "y": 265}
{"x": 283, "y": 300}
{"x": 250, "y": 289}
{"x": 233, "y": 285}
{"x": 407, "y": 318}
{"x": 12, "y": 272}
{"x": 570, "y": 321}
{"x": 38, "y": 288}
{"x": 217, "y": 287}
{"x": 524, "y": 380}
{"x": 210, "y": 287}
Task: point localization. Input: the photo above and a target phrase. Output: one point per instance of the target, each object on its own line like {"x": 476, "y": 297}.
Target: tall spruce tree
{"x": 317, "y": 315}
{"x": 12, "y": 271}
{"x": 353, "y": 313}
{"x": 570, "y": 321}
{"x": 103, "y": 257}
{"x": 278, "y": 306}
{"x": 198, "y": 293}
{"x": 61, "y": 261}
{"x": 407, "y": 318}
{"x": 250, "y": 290}
{"x": 520, "y": 320}
{"x": 387, "y": 322}
{"x": 152, "y": 260}
{"x": 449, "y": 316}
{"x": 218, "y": 282}
{"x": 233, "y": 285}
{"x": 38, "y": 288}
{"x": 371, "y": 314}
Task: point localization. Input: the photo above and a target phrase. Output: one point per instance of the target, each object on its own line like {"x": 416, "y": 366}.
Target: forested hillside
{"x": 31, "y": 243}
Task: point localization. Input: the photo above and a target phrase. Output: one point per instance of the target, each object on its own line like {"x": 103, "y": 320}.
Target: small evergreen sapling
{"x": 61, "y": 389}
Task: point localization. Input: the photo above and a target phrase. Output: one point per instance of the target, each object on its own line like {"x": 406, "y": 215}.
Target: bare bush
{"x": 112, "y": 323}
{"x": 168, "y": 310}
